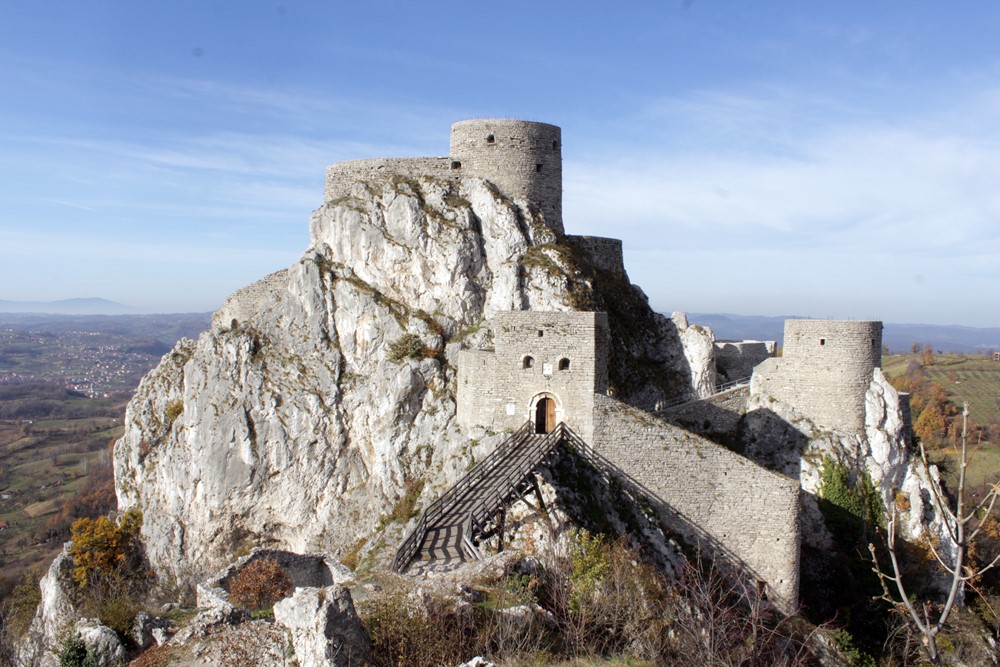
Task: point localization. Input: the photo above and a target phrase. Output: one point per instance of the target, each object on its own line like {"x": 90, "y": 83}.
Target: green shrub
{"x": 588, "y": 567}
{"x": 848, "y": 508}
{"x": 74, "y": 654}
{"x": 174, "y": 410}
{"x": 855, "y": 657}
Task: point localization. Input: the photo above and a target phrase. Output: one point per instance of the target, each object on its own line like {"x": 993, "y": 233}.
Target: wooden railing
{"x": 687, "y": 400}
{"x": 508, "y": 485}
{"x": 436, "y": 510}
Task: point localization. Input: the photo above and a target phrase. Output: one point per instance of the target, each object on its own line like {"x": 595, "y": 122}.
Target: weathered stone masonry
{"x": 710, "y": 495}
{"x": 243, "y": 304}
{"x": 716, "y": 498}
{"x": 522, "y": 159}
{"x": 824, "y": 371}
{"x": 562, "y": 356}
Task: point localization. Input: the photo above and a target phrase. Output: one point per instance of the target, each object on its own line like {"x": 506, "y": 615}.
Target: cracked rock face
{"x": 297, "y": 422}
{"x": 880, "y": 451}
{"x": 54, "y": 613}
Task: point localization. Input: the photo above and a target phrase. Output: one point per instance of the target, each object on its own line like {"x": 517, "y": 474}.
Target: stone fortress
{"x": 522, "y": 159}
{"x": 551, "y": 367}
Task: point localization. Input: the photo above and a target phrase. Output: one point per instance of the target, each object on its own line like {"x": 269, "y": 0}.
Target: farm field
{"x": 46, "y": 462}
{"x": 972, "y": 378}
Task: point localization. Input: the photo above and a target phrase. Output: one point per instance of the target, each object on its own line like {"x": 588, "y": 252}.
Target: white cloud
{"x": 838, "y": 210}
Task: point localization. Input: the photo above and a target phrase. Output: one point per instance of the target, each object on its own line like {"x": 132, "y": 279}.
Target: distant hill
{"x": 89, "y": 306}
{"x": 899, "y": 337}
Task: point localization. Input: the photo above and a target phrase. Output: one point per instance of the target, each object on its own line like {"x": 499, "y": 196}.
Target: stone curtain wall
{"x": 712, "y": 496}
{"x": 243, "y": 304}
{"x": 736, "y": 359}
{"x": 523, "y": 159}
{"x": 824, "y": 371}
{"x": 604, "y": 253}
{"x": 342, "y": 176}
{"x": 716, "y": 417}
{"x": 497, "y": 392}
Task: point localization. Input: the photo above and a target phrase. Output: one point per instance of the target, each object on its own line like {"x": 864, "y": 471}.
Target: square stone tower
{"x": 545, "y": 368}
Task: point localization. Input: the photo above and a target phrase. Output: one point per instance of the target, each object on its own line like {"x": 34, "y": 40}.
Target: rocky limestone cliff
{"x": 301, "y": 418}
{"x": 782, "y": 439}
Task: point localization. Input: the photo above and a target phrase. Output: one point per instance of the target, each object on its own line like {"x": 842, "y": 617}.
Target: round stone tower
{"x": 523, "y": 159}
{"x": 825, "y": 369}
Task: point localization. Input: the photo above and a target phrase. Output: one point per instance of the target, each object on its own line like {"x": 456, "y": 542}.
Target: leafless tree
{"x": 962, "y": 526}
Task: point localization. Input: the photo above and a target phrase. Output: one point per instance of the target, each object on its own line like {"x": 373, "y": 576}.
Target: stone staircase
{"x": 451, "y": 526}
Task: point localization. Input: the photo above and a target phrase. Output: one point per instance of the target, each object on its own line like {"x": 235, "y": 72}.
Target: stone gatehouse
{"x": 550, "y": 367}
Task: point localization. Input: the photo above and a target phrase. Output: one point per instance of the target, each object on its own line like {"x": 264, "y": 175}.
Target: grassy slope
{"x": 45, "y": 463}
{"x": 972, "y": 378}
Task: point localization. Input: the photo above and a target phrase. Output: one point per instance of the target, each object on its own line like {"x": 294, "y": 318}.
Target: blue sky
{"x": 771, "y": 158}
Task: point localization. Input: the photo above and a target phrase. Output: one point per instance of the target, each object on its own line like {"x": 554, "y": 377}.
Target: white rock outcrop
{"x": 325, "y": 628}
{"x": 880, "y": 451}
{"x": 104, "y": 649}
{"x": 291, "y": 424}
{"x": 54, "y": 615}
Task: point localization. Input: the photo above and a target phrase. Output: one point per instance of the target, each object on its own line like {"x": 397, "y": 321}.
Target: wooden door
{"x": 545, "y": 415}
{"x": 550, "y": 415}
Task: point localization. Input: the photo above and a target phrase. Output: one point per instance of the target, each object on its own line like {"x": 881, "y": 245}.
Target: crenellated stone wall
{"x": 824, "y": 371}
{"x": 562, "y": 356}
{"x": 523, "y": 159}
{"x": 342, "y": 177}
{"x": 714, "y": 497}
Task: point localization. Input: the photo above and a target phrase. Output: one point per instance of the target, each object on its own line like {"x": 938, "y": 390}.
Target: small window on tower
{"x": 555, "y": 145}
{"x": 528, "y": 362}
{"x": 540, "y": 333}
{"x": 822, "y": 341}
{"x": 564, "y": 364}
{"x": 456, "y": 164}
{"x": 538, "y": 167}
{"x": 490, "y": 139}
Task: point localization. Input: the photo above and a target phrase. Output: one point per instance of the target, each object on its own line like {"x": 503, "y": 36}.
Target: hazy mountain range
{"x": 899, "y": 337}
{"x": 88, "y": 306}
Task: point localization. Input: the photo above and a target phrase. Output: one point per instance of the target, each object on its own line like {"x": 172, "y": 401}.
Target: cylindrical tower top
{"x": 522, "y": 158}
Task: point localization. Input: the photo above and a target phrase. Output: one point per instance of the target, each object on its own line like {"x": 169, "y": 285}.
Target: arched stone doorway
{"x": 545, "y": 415}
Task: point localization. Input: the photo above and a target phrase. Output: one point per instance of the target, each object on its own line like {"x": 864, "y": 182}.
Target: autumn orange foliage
{"x": 259, "y": 585}
{"x": 101, "y": 546}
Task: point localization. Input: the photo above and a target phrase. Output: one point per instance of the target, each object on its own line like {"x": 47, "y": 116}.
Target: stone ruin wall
{"x": 605, "y": 254}
{"x": 736, "y": 359}
{"x": 496, "y": 391}
{"x": 342, "y": 177}
{"x": 824, "y": 371}
{"x": 522, "y": 158}
{"x": 717, "y": 416}
{"x": 244, "y": 304}
{"x": 714, "y": 497}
